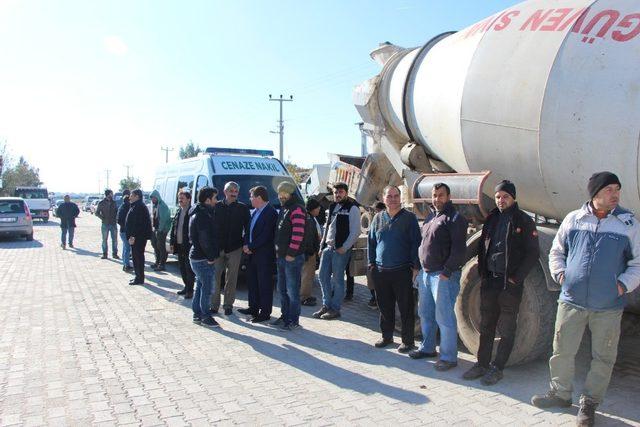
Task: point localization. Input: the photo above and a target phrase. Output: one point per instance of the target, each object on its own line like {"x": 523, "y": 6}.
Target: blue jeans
{"x": 126, "y": 249}
{"x": 106, "y": 230}
{"x": 63, "y": 237}
{"x": 205, "y": 282}
{"x": 289, "y": 277}
{"x": 436, "y": 306}
{"x": 331, "y": 276}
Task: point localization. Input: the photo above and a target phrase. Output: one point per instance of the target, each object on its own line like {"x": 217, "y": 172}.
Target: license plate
{"x": 14, "y": 219}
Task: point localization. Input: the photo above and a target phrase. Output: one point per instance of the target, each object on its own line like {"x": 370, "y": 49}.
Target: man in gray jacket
{"x": 596, "y": 258}
{"x": 107, "y": 211}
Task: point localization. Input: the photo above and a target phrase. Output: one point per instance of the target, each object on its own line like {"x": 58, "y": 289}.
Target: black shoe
{"x": 417, "y": 354}
{"x": 405, "y": 348}
{"x": 115, "y": 256}
{"x": 549, "y": 400}
{"x": 228, "y": 311}
{"x": 318, "y": 314}
{"x": 492, "y": 376}
{"x": 247, "y": 311}
{"x": 260, "y": 318}
{"x": 278, "y": 321}
{"x": 213, "y": 311}
{"x": 136, "y": 282}
{"x": 475, "y": 372}
{"x": 443, "y": 365}
{"x": 348, "y": 297}
{"x": 310, "y": 302}
{"x": 330, "y": 315}
{"x": 188, "y": 295}
{"x": 104, "y": 256}
{"x": 383, "y": 342}
{"x": 210, "y": 322}
{"x": 373, "y": 303}
{"x": 182, "y": 292}
{"x": 197, "y": 320}
{"x": 587, "y": 412}
{"x": 71, "y": 245}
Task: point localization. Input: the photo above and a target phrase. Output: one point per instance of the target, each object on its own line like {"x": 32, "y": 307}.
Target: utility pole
{"x": 281, "y": 123}
{"x": 107, "y": 172}
{"x": 127, "y": 167}
{"x": 363, "y": 139}
{"x": 166, "y": 153}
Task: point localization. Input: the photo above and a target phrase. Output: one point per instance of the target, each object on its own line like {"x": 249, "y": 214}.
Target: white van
{"x": 37, "y": 198}
{"x": 217, "y": 166}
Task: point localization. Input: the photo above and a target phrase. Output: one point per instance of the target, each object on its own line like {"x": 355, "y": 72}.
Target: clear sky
{"x": 87, "y": 86}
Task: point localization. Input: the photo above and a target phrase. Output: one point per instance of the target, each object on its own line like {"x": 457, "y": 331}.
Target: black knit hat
{"x": 599, "y": 180}
{"x": 506, "y": 186}
{"x": 312, "y": 204}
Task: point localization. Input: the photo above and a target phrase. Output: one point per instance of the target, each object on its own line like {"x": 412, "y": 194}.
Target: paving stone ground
{"x": 78, "y": 346}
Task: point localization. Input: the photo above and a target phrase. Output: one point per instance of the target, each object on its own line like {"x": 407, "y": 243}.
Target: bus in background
{"x": 37, "y": 198}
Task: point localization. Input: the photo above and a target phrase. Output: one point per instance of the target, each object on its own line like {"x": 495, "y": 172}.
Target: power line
{"x": 280, "y": 130}
{"x": 166, "y": 153}
{"x": 128, "y": 167}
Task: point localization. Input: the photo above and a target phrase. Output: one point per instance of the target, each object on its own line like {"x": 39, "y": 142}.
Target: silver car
{"x": 15, "y": 218}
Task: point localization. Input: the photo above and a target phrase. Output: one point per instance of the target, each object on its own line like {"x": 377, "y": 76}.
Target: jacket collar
{"x": 619, "y": 212}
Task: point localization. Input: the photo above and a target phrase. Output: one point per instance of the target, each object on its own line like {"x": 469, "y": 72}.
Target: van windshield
{"x": 32, "y": 193}
{"x": 247, "y": 182}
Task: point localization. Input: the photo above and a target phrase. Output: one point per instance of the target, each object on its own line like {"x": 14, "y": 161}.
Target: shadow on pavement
{"x": 84, "y": 252}
{"x": 18, "y": 243}
{"x": 325, "y": 371}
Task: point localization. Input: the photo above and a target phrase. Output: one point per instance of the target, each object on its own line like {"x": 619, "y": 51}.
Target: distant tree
{"x": 297, "y": 172}
{"x": 20, "y": 175}
{"x": 129, "y": 183}
{"x": 189, "y": 150}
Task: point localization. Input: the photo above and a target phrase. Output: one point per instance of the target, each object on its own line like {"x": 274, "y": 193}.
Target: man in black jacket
{"x": 260, "y": 248}
{"x": 107, "y": 211}
{"x": 203, "y": 254}
{"x": 67, "y": 212}
{"x": 123, "y": 210}
{"x": 232, "y": 221}
{"x": 138, "y": 230}
{"x": 508, "y": 251}
{"x": 441, "y": 252}
{"x": 179, "y": 242}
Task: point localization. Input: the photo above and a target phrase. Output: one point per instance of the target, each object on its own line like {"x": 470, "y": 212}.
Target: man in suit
{"x": 138, "y": 232}
{"x": 179, "y": 242}
{"x": 259, "y": 245}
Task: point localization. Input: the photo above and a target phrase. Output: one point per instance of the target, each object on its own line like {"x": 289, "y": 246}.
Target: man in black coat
{"x": 138, "y": 230}
{"x": 123, "y": 210}
{"x": 508, "y": 251}
{"x": 260, "y": 247}
{"x": 67, "y": 212}
{"x": 179, "y": 242}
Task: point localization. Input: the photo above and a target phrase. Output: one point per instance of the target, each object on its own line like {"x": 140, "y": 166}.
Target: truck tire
{"x": 536, "y": 318}
{"x": 365, "y": 221}
{"x": 29, "y": 237}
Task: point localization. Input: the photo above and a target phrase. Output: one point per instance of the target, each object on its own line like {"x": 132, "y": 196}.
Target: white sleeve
{"x": 631, "y": 276}
{"x": 557, "y": 255}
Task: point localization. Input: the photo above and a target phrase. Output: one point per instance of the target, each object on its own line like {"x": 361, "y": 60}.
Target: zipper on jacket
{"x": 592, "y": 245}
{"x": 506, "y": 253}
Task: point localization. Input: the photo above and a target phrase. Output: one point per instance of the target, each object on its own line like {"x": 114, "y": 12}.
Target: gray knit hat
{"x": 287, "y": 187}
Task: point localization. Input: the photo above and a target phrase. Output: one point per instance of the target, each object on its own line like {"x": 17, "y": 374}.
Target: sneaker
{"x": 405, "y": 348}
{"x": 372, "y": 303}
{"x": 277, "y": 321}
{"x": 286, "y": 327}
{"x": 210, "y": 322}
{"x": 549, "y": 400}
{"x": 318, "y": 314}
{"x": 417, "y": 354}
{"x": 443, "y": 365}
{"x": 475, "y": 372}
{"x": 492, "y": 376}
{"x": 587, "y": 413}
{"x": 197, "y": 320}
{"x": 310, "y": 302}
{"x": 383, "y": 342}
{"x": 294, "y": 326}
{"x": 330, "y": 315}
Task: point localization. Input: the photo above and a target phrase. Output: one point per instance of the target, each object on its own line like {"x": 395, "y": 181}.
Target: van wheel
{"x": 536, "y": 317}
{"x": 29, "y": 237}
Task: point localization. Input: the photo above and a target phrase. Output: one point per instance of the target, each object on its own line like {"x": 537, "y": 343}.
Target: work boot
{"x": 475, "y": 372}
{"x": 549, "y": 400}
{"x": 587, "y": 413}
{"x": 492, "y": 376}
{"x": 318, "y": 314}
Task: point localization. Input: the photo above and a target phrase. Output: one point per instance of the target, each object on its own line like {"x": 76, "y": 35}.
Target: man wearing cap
{"x": 508, "y": 251}
{"x": 595, "y": 256}
{"x": 289, "y": 254}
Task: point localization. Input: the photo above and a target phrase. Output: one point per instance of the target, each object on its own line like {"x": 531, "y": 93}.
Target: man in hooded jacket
{"x": 161, "y": 220}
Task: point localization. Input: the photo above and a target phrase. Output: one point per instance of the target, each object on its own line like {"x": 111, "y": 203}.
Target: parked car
{"x": 94, "y": 206}
{"x": 56, "y": 205}
{"x": 15, "y": 218}
{"x": 86, "y": 206}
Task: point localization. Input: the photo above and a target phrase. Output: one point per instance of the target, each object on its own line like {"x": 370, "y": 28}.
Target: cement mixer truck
{"x": 544, "y": 93}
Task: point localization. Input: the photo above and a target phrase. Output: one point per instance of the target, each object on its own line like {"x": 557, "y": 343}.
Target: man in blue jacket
{"x": 260, "y": 247}
{"x": 596, "y": 258}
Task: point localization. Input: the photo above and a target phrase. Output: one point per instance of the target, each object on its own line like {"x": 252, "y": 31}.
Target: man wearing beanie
{"x": 508, "y": 251}
{"x": 595, "y": 257}
{"x": 289, "y": 254}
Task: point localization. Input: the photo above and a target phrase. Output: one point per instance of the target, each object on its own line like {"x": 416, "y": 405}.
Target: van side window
{"x": 184, "y": 182}
{"x": 202, "y": 182}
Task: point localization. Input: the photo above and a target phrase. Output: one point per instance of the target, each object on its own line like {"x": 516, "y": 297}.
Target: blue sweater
{"x": 393, "y": 242}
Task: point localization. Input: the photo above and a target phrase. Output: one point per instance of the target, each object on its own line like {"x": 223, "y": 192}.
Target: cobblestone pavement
{"x": 78, "y": 346}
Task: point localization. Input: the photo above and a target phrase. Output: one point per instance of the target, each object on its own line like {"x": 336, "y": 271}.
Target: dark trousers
{"x": 498, "y": 309}
{"x": 159, "y": 243}
{"x": 350, "y": 280}
{"x": 188, "y": 277}
{"x": 394, "y": 286}
{"x": 137, "y": 253}
{"x": 260, "y": 284}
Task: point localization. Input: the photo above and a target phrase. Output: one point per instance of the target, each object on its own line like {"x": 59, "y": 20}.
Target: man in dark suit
{"x": 179, "y": 243}
{"x": 138, "y": 229}
{"x": 260, "y": 246}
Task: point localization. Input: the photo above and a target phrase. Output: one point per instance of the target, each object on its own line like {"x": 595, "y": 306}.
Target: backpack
{"x": 310, "y": 241}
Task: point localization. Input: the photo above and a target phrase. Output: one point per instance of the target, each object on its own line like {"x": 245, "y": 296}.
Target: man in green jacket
{"x": 161, "y": 220}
